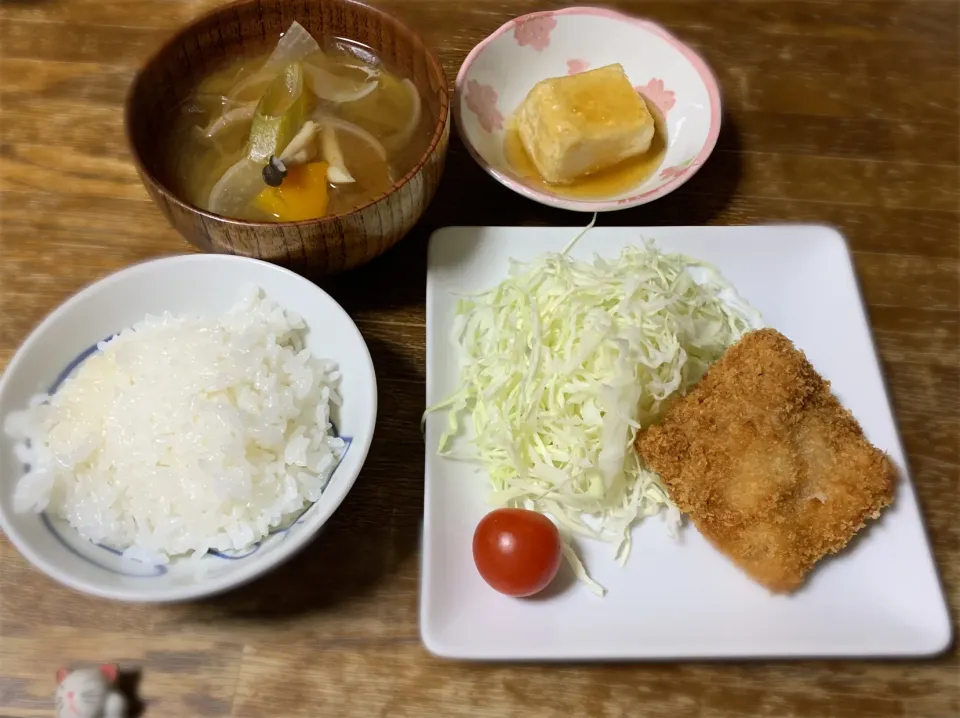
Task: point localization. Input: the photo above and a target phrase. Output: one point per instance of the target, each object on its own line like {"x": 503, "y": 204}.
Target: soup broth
{"x": 321, "y": 131}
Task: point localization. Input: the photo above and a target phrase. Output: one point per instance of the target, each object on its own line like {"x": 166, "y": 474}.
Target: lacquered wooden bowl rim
{"x": 194, "y": 24}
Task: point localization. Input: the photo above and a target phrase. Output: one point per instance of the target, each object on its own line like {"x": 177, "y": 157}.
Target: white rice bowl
{"x": 213, "y": 462}
{"x": 184, "y": 434}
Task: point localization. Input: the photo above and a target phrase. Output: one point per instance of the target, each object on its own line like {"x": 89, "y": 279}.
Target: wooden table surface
{"x": 838, "y": 112}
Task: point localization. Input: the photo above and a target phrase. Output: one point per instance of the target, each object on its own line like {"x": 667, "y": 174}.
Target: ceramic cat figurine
{"x": 89, "y": 693}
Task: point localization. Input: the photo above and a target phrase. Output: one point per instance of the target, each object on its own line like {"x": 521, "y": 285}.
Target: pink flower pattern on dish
{"x": 535, "y": 32}
{"x": 654, "y": 91}
{"x": 576, "y": 66}
{"x": 482, "y": 101}
{"x": 671, "y": 173}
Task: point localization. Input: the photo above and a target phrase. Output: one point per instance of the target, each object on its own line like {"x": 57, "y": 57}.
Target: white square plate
{"x": 681, "y": 598}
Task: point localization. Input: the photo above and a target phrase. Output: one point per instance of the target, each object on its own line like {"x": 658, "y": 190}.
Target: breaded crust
{"x": 772, "y": 470}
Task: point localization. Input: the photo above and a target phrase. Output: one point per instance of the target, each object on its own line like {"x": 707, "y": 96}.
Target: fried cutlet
{"x": 772, "y": 470}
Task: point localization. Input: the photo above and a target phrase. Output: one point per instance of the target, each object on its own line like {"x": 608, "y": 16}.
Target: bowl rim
{"x": 244, "y": 573}
{"x": 149, "y": 177}
{"x": 699, "y": 64}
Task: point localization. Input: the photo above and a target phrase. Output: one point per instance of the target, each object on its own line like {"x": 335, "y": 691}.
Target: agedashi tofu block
{"x": 576, "y": 125}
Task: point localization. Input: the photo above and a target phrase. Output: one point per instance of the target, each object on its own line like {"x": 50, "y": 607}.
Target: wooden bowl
{"x": 326, "y": 245}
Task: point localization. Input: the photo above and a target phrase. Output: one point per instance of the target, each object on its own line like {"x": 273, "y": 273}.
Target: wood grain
{"x": 846, "y": 113}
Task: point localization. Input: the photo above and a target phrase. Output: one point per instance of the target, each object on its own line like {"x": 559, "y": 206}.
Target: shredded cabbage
{"x": 562, "y": 363}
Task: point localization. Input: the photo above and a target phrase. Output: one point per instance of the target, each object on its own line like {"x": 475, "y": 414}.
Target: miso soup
{"x": 309, "y": 130}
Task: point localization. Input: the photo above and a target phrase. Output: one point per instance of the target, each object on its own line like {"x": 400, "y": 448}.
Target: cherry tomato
{"x": 516, "y": 551}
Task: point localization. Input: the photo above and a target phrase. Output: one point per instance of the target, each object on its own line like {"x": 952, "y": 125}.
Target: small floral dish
{"x": 500, "y": 71}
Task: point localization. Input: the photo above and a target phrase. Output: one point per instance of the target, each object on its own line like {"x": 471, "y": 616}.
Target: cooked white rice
{"x": 184, "y": 433}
